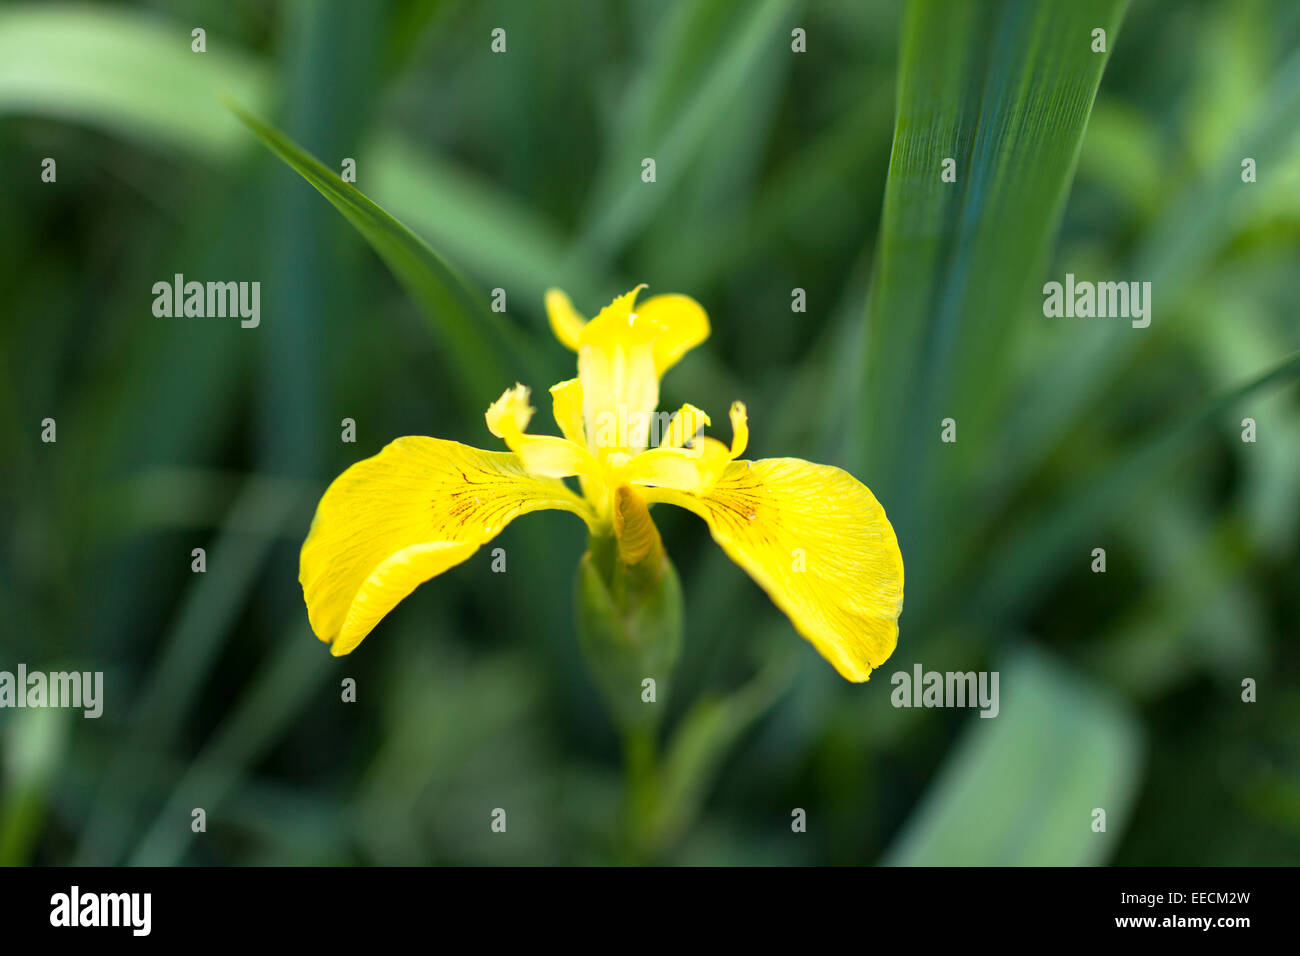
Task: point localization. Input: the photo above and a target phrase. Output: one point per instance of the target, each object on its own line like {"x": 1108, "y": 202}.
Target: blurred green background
{"x": 776, "y": 170}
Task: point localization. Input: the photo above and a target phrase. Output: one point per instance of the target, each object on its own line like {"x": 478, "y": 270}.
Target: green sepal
{"x": 630, "y": 629}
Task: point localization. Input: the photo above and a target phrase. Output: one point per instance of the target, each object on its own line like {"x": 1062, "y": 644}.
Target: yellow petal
{"x": 622, "y": 353}
{"x": 391, "y": 522}
{"x": 617, "y": 321}
{"x": 619, "y": 384}
{"x": 638, "y": 538}
{"x": 817, "y": 541}
{"x": 694, "y": 470}
{"x": 566, "y": 406}
{"x": 685, "y": 425}
{"x": 547, "y": 456}
{"x": 739, "y": 429}
{"x": 511, "y": 413}
{"x": 683, "y": 324}
{"x": 542, "y": 455}
{"x": 565, "y": 321}
{"x": 391, "y": 580}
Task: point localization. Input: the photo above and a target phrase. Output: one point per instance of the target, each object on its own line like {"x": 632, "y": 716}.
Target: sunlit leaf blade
{"x": 35, "y": 743}
{"x": 1022, "y": 788}
{"x": 483, "y": 351}
{"x": 101, "y": 67}
{"x": 1004, "y": 90}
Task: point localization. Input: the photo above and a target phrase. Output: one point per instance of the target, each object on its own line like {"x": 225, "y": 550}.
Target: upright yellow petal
{"x": 565, "y": 321}
{"x": 620, "y": 387}
{"x": 683, "y": 324}
{"x": 566, "y": 407}
{"x": 684, "y": 426}
{"x": 739, "y": 429}
{"x": 391, "y": 522}
{"x": 622, "y": 354}
{"x": 817, "y": 541}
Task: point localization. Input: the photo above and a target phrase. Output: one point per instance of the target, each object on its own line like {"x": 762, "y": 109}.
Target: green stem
{"x": 640, "y": 794}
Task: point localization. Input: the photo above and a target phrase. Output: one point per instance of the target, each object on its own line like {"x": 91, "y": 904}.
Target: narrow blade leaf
{"x": 484, "y": 354}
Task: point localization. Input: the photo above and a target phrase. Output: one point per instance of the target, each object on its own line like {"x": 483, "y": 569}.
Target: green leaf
{"x": 102, "y": 67}
{"x": 1193, "y": 227}
{"x": 1021, "y": 788}
{"x": 1205, "y": 216}
{"x": 204, "y": 624}
{"x": 35, "y": 745}
{"x": 701, "y": 744}
{"x": 487, "y": 231}
{"x": 701, "y": 63}
{"x": 264, "y": 711}
{"x": 1026, "y": 561}
{"x": 1004, "y": 89}
{"x": 485, "y": 354}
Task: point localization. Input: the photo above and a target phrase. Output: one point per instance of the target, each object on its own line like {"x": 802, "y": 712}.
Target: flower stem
{"x": 640, "y": 794}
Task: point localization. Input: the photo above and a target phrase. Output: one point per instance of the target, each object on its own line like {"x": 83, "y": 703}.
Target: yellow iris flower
{"x": 812, "y": 536}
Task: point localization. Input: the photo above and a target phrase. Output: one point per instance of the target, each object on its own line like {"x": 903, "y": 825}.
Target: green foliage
{"x": 1023, "y": 788}
{"x": 775, "y": 171}
{"x": 478, "y": 342}
{"x": 945, "y": 306}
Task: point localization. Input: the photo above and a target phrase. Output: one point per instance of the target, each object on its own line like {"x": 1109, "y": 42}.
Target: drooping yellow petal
{"x": 565, "y": 321}
{"x": 391, "y": 522}
{"x": 683, "y": 324}
{"x": 817, "y": 541}
{"x": 545, "y": 456}
{"x": 389, "y": 582}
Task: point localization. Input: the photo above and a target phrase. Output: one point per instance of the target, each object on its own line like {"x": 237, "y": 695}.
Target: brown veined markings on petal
{"x": 847, "y": 597}
{"x": 476, "y": 501}
{"x": 387, "y": 515}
